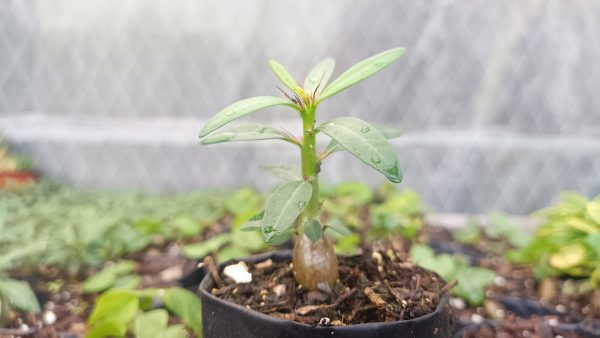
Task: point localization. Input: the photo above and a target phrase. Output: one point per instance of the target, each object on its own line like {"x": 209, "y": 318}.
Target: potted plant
{"x": 388, "y": 288}
{"x": 14, "y": 170}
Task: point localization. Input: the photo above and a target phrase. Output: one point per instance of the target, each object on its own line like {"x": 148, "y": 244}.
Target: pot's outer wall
{"x": 222, "y": 319}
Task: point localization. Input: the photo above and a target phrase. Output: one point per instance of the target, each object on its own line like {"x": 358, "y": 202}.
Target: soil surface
{"x": 377, "y": 286}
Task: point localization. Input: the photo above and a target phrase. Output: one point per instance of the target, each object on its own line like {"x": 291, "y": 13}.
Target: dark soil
{"x": 514, "y": 327}
{"x": 377, "y": 286}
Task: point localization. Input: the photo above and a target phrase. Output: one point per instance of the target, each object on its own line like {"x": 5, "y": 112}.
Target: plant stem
{"x": 310, "y": 163}
{"x": 314, "y": 262}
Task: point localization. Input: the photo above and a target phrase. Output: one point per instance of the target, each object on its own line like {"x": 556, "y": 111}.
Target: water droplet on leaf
{"x": 230, "y": 112}
{"x": 331, "y": 124}
{"x": 365, "y": 129}
{"x": 357, "y": 152}
{"x": 375, "y": 159}
{"x": 301, "y": 205}
{"x": 268, "y": 229}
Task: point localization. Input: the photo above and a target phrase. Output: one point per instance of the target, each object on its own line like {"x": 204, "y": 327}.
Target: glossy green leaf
{"x": 319, "y": 76}
{"x": 313, "y": 230}
{"x": 109, "y": 327}
{"x": 119, "y": 304}
{"x": 284, "y": 173}
{"x": 388, "y": 132}
{"x": 284, "y": 206}
{"x": 19, "y": 295}
{"x": 243, "y": 133}
{"x": 283, "y": 75}
{"x": 362, "y": 70}
{"x": 199, "y": 250}
{"x": 186, "y": 305}
{"x": 149, "y": 324}
{"x": 240, "y": 109}
{"x": 281, "y": 237}
{"x": 366, "y": 143}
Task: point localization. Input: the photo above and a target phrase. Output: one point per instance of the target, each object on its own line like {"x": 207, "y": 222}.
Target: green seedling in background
{"x": 293, "y": 208}
{"x": 568, "y": 240}
{"x": 471, "y": 280}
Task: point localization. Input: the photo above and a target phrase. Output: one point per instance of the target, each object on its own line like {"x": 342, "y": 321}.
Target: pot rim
{"x": 207, "y": 282}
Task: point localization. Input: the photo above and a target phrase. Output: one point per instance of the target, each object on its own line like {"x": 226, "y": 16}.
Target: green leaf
{"x": 593, "y": 210}
{"x": 107, "y": 277}
{"x": 121, "y": 305}
{"x": 348, "y": 245}
{"x": 232, "y": 252}
{"x": 361, "y": 71}
{"x": 174, "y": 331}
{"x": 127, "y": 282}
{"x": 313, "y": 230}
{"x": 244, "y": 133}
{"x": 593, "y": 241}
{"x": 254, "y": 223}
{"x": 19, "y": 295}
{"x": 338, "y": 228}
{"x": 148, "y": 324}
{"x": 388, "y": 132}
{"x": 319, "y": 76}
{"x": 284, "y": 173}
{"x": 471, "y": 284}
{"x": 283, "y": 75}
{"x": 366, "y": 143}
{"x": 240, "y": 109}
{"x": 284, "y": 206}
{"x": 281, "y": 237}
{"x": 186, "y": 305}
{"x": 199, "y": 250}
{"x": 109, "y": 327}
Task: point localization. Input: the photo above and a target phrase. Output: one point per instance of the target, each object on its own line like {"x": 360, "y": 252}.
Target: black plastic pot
{"x": 222, "y": 319}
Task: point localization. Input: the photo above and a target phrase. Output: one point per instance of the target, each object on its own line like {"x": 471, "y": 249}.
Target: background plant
{"x": 568, "y": 240}
{"x": 293, "y": 208}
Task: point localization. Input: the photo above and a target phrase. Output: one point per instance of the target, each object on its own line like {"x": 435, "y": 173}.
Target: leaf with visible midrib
{"x": 284, "y": 206}
{"x": 361, "y": 71}
{"x": 319, "y": 76}
{"x": 244, "y": 133}
{"x": 388, "y": 132}
{"x": 239, "y": 109}
{"x": 366, "y": 143}
{"x": 283, "y": 75}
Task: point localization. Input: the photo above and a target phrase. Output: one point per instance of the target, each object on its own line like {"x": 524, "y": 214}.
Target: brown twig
{"x": 212, "y": 268}
{"x": 374, "y": 298}
{"x": 449, "y": 286}
{"x": 304, "y": 310}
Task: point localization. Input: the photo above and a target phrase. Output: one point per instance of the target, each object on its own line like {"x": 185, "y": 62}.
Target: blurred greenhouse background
{"x": 498, "y": 99}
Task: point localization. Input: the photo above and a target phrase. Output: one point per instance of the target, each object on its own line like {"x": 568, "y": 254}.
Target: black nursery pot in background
{"x": 222, "y": 319}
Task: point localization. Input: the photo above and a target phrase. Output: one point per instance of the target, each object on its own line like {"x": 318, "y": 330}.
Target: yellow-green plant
{"x": 293, "y": 208}
{"x": 568, "y": 240}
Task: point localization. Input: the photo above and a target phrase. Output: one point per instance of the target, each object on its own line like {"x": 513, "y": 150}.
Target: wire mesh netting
{"x": 498, "y": 99}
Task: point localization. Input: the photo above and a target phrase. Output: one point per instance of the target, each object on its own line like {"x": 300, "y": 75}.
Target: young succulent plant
{"x": 293, "y": 208}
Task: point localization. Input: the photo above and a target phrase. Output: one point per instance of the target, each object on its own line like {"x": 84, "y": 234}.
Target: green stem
{"x": 310, "y": 164}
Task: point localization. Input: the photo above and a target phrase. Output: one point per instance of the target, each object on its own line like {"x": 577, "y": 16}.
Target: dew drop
{"x": 268, "y": 229}
{"x": 365, "y": 129}
{"x": 301, "y": 205}
{"x": 230, "y": 112}
{"x": 375, "y": 159}
{"x": 331, "y": 124}
{"x": 357, "y": 152}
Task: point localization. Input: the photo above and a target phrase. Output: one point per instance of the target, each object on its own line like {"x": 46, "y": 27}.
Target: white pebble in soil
{"x": 238, "y": 272}
{"x": 477, "y": 319}
{"x": 49, "y": 317}
{"x": 457, "y": 303}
